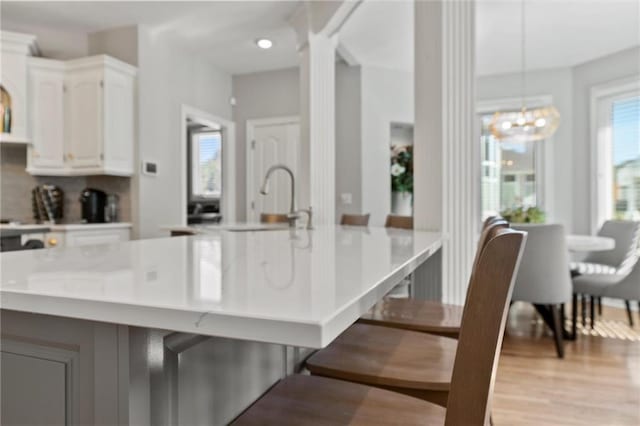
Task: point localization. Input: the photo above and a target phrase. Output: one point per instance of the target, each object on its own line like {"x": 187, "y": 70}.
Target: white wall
{"x": 348, "y": 138}
{"x": 603, "y": 70}
{"x": 559, "y": 157}
{"x": 167, "y": 79}
{"x": 387, "y": 97}
{"x": 260, "y": 95}
{"x": 121, "y": 43}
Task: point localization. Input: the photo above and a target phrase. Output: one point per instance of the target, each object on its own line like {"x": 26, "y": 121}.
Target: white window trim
{"x": 544, "y": 156}
{"x": 600, "y": 137}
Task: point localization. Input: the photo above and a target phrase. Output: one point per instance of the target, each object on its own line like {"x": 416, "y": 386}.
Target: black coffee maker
{"x": 93, "y": 202}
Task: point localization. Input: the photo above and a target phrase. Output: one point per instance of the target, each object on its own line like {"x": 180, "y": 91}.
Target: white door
{"x": 84, "y": 115}
{"x": 47, "y": 118}
{"x": 272, "y": 141}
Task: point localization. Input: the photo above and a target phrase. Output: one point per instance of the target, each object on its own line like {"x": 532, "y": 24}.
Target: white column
{"x": 317, "y": 144}
{"x": 446, "y": 149}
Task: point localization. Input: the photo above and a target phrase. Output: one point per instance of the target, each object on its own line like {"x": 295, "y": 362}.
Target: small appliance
{"x": 111, "y": 210}
{"x": 93, "y": 203}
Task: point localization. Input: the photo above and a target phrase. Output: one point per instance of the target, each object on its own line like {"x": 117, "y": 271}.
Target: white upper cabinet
{"x": 84, "y": 107}
{"x": 98, "y": 123}
{"x": 46, "y": 100}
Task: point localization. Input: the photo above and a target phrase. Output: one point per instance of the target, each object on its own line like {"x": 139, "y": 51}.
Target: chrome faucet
{"x": 293, "y": 214}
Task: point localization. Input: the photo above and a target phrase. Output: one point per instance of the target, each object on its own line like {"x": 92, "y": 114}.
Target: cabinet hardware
{"x": 102, "y": 83}
{"x": 52, "y": 242}
{"x": 70, "y": 156}
{"x": 102, "y": 156}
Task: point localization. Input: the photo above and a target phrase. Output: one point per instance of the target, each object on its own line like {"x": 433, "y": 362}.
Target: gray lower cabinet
{"x": 36, "y": 384}
{"x": 61, "y": 371}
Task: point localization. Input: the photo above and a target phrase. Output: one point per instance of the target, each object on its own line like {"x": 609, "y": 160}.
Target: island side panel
{"x": 87, "y": 353}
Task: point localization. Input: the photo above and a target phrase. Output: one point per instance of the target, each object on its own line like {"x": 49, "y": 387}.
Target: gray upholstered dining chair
{"x": 626, "y": 235}
{"x": 617, "y": 261}
{"x": 544, "y": 279}
{"x": 625, "y": 286}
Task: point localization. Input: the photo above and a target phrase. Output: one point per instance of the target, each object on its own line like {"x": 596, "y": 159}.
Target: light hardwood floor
{"x": 598, "y": 382}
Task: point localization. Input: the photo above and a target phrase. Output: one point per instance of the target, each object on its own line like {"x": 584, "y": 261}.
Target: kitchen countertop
{"x": 294, "y": 287}
{"x": 60, "y": 227}
{"x": 234, "y": 226}
{"x": 7, "y": 231}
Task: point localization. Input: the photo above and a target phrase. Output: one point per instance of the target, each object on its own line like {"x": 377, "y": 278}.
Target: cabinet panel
{"x": 87, "y": 238}
{"x": 119, "y": 119}
{"x": 84, "y": 118}
{"x": 36, "y": 384}
{"x": 47, "y": 119}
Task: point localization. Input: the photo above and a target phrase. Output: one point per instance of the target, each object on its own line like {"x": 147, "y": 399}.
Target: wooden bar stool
{"x": 425, "y": 315}
{"x": 401, "y": 222}
{"x": 312, "y": 400}
{"x": 273, "y": 218}
{"x": 409, "y": 362}
{"x": 355, "y": 219}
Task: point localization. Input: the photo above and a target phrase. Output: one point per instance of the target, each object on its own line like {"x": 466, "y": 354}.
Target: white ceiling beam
{"x": 345, "y": 53}
{"x": 320, "y": 17}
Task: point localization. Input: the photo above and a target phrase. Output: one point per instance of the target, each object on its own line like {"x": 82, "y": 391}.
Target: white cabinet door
{"x": 84, "y": 120}
{"x": 46, "y": 84}
{"x": 119, "y": 122}
{"x": 93, "y": 237}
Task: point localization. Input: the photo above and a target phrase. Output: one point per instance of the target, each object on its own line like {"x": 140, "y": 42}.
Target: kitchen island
{"x": 186, "y": 330}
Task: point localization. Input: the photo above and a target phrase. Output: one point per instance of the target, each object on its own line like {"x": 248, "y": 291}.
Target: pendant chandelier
{"x": 527, "y": 124}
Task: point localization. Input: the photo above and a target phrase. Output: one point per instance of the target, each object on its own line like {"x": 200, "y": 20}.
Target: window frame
{"x": 602, "y": 98}
{"x": 544, "y": 163}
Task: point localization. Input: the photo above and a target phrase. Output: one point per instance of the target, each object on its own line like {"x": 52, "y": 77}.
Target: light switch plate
{"x": 149, "y": 168}
{"x": 346, "y": 198}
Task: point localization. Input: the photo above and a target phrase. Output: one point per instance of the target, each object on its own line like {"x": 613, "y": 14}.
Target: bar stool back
{"x": 355, "y": 219}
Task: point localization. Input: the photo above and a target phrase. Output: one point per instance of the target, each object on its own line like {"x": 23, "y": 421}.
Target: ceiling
{"x": 222, "y": 32}
{"x": 560, "y": 33}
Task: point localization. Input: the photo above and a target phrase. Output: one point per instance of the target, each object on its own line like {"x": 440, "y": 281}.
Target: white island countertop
{"x": 300, "y": 288}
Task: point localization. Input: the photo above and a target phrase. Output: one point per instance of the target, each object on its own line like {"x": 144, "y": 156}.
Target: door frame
{"x": 229, "y": 187}
{"x": 251, "y": 127}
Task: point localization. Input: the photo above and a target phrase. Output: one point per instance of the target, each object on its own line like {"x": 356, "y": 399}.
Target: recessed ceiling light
{"x": 264, "y": 43}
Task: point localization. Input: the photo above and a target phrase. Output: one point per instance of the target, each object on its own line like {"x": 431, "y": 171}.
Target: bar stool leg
{"x": 574, "y": 315}
{"x": 629, "y": 313}
{"x": 592, "y": 308}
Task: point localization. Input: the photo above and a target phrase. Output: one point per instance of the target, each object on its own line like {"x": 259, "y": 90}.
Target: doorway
{"x": 208, "y": 158}
{"x": 269, "y": 142}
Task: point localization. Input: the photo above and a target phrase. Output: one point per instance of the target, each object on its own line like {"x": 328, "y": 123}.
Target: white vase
{"x": 401, "y": 203}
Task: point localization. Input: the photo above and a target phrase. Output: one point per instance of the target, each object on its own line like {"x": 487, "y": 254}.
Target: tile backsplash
{"x": 16, "y": 185}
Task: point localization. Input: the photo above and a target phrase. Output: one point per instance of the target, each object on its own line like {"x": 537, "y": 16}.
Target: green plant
{"x": 402, "y": 168}
{"x": 522, "y": 215}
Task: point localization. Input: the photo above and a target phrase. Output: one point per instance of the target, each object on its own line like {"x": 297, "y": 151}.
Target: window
{"x": 509, "y": 172}
{"x": 625, "y": 145}
{"x": 206, "y": 165}
{"x": 616, "y": 151}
